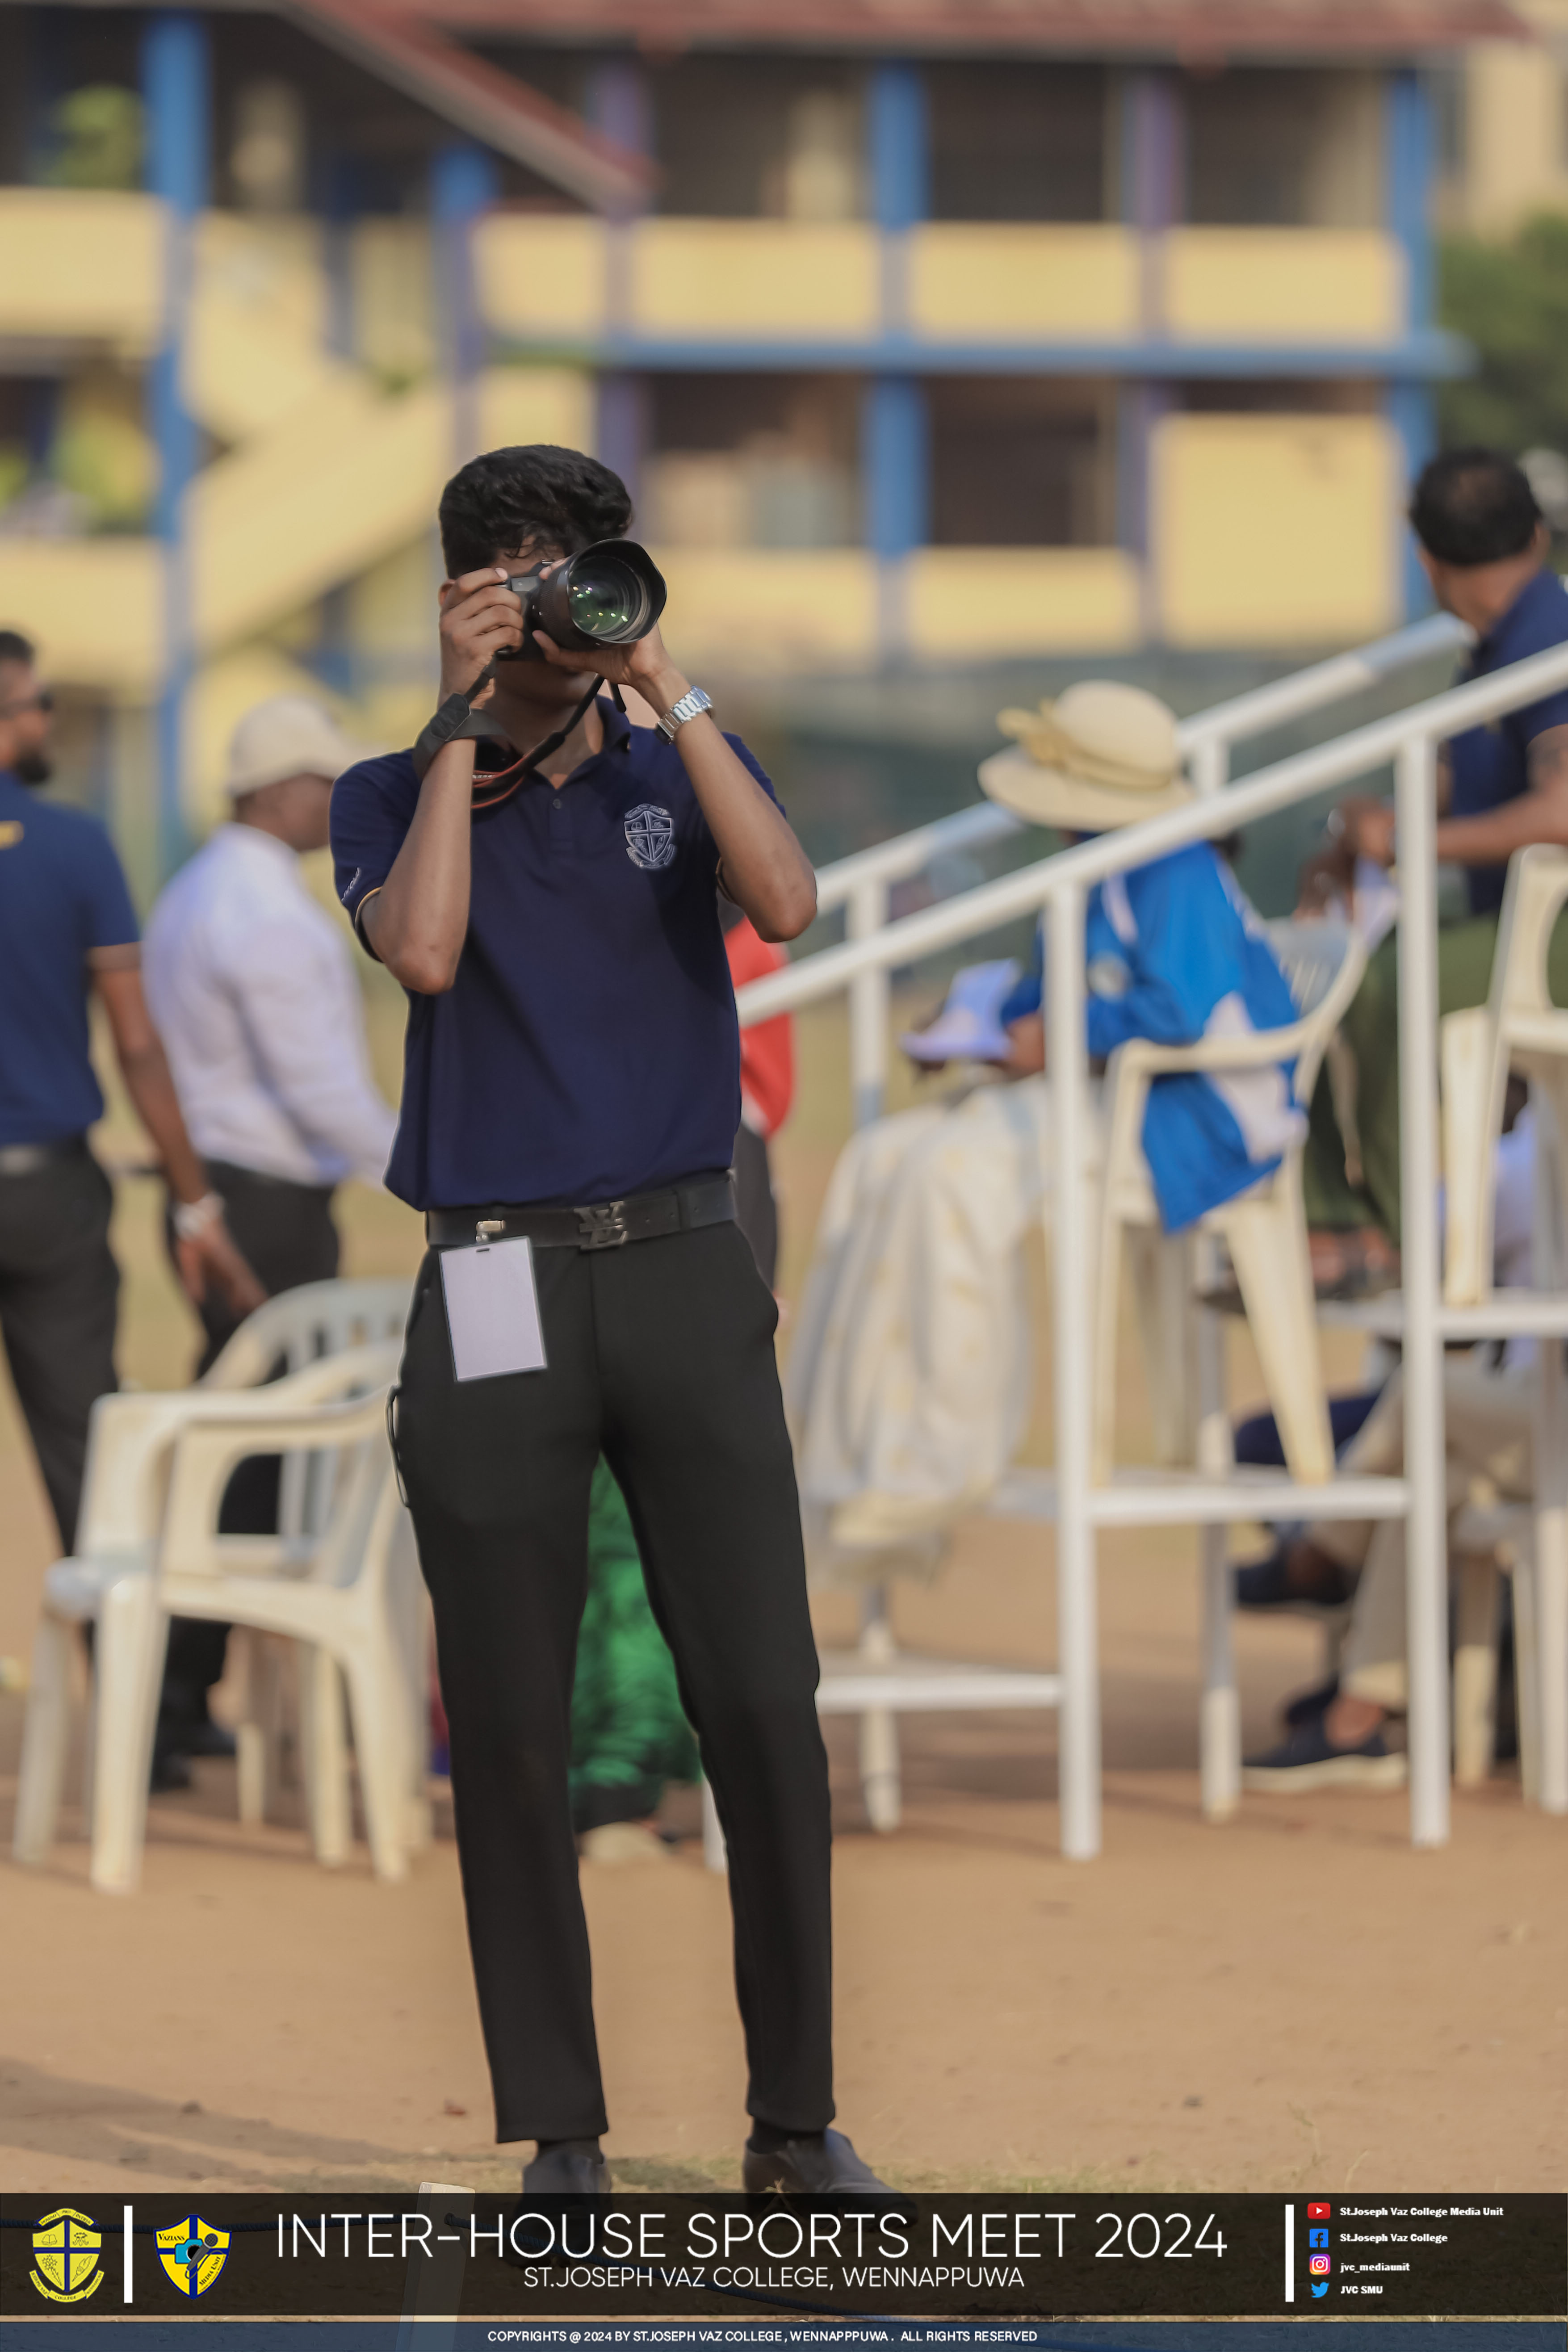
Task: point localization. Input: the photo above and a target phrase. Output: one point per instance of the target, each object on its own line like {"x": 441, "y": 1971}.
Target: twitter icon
{"x": 1319, "y": 2288}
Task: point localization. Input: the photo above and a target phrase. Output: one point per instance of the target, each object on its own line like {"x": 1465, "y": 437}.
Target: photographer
{"x": 550, "y": 901}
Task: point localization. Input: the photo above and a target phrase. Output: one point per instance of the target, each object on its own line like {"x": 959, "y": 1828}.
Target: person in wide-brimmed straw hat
{"x": 1100, "y": 755}
{"x": 908, "y": 1376}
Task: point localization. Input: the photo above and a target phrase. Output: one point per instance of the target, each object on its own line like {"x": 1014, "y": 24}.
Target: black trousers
{"x": 286, "y": 1230}
{"x": 59, "y": 1290}
{"x": 756, "y": 1211}
{"x": 660, "y": 1355}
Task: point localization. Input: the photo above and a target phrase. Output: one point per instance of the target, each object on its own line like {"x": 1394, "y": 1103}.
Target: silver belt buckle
{"x": 603, "y": 1226}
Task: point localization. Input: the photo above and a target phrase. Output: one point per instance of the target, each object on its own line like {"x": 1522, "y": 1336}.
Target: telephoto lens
{"x": 609, "y": 595}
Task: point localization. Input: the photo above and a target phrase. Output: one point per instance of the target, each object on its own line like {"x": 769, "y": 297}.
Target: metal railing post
{"x": 1426, "y": 1548}
{"x": 868, "y": 999}
{"x": 1219, "y": 1723}
{"x": 1071, "y": 1242}
{"x": 1208, "y": 764}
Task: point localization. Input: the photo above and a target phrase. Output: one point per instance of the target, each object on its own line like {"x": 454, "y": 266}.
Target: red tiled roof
{"x": 1196, "y": 29}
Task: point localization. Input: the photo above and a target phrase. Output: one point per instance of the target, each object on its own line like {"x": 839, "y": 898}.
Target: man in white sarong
{"x": 908, "y": 1384}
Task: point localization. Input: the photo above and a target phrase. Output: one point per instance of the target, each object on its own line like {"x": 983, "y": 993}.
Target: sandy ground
{"x": 1296, "y": 1998}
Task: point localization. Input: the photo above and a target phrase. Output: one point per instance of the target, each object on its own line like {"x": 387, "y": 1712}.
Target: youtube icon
{"x": 1318, "y": 2212}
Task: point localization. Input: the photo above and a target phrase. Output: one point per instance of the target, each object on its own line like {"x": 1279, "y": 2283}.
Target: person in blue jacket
{"x": 908, "y": 1379}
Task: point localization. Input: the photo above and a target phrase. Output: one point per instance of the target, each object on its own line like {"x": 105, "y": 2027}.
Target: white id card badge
{"x": 492, "y": 1309}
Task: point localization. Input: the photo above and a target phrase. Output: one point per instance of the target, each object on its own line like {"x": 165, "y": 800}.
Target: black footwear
{"x": 1266, "y": 1584}
{"x": 169, "y": 1771}
{"x": 816, "y": 2165}
{"x": 564, "y": 2171}
{"x": 204, "y": 1737}
{"x": 1310, "y": 1703}
{"x": 1307, "y": 1759}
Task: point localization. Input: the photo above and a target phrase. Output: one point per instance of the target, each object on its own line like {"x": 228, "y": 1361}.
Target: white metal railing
{"x": 1057, "y": 887}
{"x": 861, "y": 882}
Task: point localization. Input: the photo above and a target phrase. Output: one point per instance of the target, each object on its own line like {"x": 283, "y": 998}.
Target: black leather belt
{"x": 602, "y": 1225}
{"x": 29, "y": 1159}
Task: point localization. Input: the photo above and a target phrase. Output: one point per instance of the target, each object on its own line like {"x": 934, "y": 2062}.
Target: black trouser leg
{"x": 661, "y": 1354}
{"x": 59, "y": 1289}
{"x": 498, "y": 1473}
{"x": 286, "y": 1231}
{"x": 695, "y": 1433}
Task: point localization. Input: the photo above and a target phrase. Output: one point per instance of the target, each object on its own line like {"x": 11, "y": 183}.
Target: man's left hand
{"x": 644, "y": 666}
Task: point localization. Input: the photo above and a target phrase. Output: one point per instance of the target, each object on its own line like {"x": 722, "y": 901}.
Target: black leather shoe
{"x": 812, "y": 2165}
{"x": 566, "y": 2172}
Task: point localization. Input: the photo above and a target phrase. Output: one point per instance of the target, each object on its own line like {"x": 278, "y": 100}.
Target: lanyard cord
{"x": 485, "y": 795}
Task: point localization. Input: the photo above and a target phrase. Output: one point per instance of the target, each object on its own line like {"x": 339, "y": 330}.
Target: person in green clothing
{"x": 1484, "y": 546}
{"x": 629, "y": 1733}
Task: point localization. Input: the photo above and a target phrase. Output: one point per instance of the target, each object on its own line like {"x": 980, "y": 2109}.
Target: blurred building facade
{"x": 926, "y": 333}
{"x": 1502, "y": 111}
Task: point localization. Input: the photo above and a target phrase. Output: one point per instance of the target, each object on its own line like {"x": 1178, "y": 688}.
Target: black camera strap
{"x": 452, "y": 719}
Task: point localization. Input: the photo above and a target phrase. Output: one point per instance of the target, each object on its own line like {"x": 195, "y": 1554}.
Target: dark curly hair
{"x": 509, "y": 498}
{"x": 1473, "y": 506}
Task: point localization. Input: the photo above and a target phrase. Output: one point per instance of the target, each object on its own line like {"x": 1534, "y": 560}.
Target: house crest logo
{"x": 192, "y": 2253}
{"x": 66, "y": 2248}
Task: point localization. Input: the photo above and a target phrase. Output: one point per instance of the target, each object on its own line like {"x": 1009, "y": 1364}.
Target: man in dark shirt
{"x": 572, "y": 1077}
{"x": 67, "y": 930}
{"x": 1484, "y": 549}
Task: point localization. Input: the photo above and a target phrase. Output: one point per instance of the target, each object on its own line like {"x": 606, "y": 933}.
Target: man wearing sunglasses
{"x": 67, "y": 931}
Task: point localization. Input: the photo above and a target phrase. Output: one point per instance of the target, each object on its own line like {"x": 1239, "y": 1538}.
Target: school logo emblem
{"x": 650, "y": 836}
{"x": 192, "y": 2253}
{"x": 66, "y": 2247}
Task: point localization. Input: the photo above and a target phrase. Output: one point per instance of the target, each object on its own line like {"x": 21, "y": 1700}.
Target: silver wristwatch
{"x": 693, "y": 703}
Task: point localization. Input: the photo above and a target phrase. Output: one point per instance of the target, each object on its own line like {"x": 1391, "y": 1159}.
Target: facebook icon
{"x": 1317, "y": 2237}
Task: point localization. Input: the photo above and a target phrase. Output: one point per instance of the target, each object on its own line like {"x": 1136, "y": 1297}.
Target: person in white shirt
{"x": 253, "y": 987}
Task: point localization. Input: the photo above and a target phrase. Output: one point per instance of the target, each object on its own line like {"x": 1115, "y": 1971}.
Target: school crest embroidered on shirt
{"x": 650, "y": 836}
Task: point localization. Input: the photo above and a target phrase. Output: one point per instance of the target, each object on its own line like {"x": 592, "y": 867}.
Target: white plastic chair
{"x": 1518, "y": 1027}
{"x": 1264, "y": 1229}
{"x": 150, "y": 1550}
{"x": 297, "y": 1327}
{"x": 1485, "y": 1544}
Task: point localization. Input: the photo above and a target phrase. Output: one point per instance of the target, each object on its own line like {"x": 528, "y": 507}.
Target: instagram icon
{"x": 1319, "y": 2266}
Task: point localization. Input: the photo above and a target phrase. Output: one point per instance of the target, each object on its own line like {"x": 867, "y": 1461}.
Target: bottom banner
{"x": 980, "y": 2260}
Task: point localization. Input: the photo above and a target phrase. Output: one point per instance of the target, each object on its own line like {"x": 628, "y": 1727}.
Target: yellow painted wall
{"x": 536, "y": 403}
{"x": 1295, "y": 285}
{"x": 1516, "y": 126}
{"x": 1015, "y": 280}
{"x": 759, "y": 610}
{"x": 740, "y": 277}
{"x": 542, "y": 274}
{"x": 78, "y": 264}
{"x": 257, "y": 347}
{"x": 1275, "y": 530}
{"x": 94, "y": 606}
{"x": 966, "y": 604}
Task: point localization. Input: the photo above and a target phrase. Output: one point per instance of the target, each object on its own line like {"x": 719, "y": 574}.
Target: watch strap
{"x": 691, "y": 705}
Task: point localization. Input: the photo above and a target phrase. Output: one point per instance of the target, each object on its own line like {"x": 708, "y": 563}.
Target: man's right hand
{"x": 212, "y": 1256}
{"x": 480, "y": 617}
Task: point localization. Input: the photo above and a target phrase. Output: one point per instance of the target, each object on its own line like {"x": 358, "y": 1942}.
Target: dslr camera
{"x": 611, "y": 593}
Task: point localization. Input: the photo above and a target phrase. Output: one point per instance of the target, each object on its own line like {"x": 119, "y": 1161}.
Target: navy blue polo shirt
{"x": 588, "y": 1047}
{"x": 1490, "y": 765}
{"x": 62, "y": 894}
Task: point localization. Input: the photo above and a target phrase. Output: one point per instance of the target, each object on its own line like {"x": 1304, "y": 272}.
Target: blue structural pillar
{"x": 1153, "y": 200}
{"x": 895, "y": 431}
{"x": 1410, "y": 164}
{"x": 619, "y": 105}
{"x": 464, "y": 183}
{"x": 177, "y": 96}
